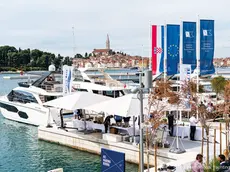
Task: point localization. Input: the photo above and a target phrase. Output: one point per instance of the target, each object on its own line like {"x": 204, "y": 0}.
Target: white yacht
{"x": 99, "y": 84}
{"x": 25, "y": 103}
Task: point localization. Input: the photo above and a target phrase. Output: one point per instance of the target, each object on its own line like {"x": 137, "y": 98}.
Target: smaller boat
{"x": 25, "y": 103}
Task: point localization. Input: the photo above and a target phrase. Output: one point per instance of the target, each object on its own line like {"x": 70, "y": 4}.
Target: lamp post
{"x": 147, "y": 84}
{"x": 141, "y": 125}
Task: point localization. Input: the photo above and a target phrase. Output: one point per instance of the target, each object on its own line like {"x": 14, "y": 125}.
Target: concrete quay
{"x": 93, "y": 142}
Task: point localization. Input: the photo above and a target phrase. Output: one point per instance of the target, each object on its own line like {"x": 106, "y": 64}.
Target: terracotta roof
{"x": 100, "y": 50}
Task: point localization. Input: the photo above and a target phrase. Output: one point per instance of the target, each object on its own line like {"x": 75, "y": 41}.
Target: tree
{"x": 57, "y": 61}
{"x": 218, "y": 84}
{"x": 86, "y": 55}
{"x": 11, "y": 57}
{"x": 67, "y": 61}
{"x": 160, "y": 98}
{"x": 204, "y": 114}
{"x": 78, "y": 56}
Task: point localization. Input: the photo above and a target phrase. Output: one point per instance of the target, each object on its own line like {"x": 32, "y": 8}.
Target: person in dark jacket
{"x": 170, "y": 123}
{"x": 107, "y": 122}
{"x": 224, "y": 165}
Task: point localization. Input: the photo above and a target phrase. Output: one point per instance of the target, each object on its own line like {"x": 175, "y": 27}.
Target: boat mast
{"x": 74, "y": 44}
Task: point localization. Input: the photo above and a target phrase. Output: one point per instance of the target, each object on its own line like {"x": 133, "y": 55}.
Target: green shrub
{"x": 210, "y": 167}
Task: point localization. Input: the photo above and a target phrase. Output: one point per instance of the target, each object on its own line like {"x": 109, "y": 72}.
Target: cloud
{"x": 48, "y": 25}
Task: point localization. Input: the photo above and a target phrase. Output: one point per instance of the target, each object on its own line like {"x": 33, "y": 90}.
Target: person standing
{"x": 197, "y": 165}
{"x": 193, "y": 121}
{"x": 224, "y": 165}
{"x": 107, "y": 122}
{"x": 170, "y": 123}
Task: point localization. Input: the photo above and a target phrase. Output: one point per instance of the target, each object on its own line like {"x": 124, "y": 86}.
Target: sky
{"x": 49, "y": 24}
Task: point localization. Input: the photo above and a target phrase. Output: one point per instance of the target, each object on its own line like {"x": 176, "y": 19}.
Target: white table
{"x": 184, "y": 131}
{"x": 128, "y": 130}
{"x": 89, "y": 125}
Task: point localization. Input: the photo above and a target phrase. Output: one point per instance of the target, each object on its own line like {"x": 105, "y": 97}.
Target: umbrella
{"x": 128, "y": 105}
{"x": 77, "y": 100}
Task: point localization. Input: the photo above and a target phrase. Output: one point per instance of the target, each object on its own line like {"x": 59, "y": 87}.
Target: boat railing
{"x": 52, "y": 88}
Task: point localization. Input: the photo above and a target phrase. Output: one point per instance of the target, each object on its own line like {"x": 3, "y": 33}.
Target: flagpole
{"x": 165, "y": 51}
{"x": 151, "y": 48}
{"x": 181, "y": 56}
{"x": 181, "y": 42}
{"x": 198, "y": 59}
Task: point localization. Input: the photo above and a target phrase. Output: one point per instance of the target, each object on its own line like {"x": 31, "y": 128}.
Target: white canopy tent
{"x": 78, "y": 100}
{"x": 128, "y": 105}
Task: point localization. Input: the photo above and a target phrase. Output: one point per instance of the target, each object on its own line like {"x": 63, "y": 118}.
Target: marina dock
{"x": 93, "y": 143}
{"x": 22, "y": 77}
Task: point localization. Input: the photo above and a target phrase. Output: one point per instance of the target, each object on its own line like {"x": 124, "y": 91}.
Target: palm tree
{"x": 218, "y": 84}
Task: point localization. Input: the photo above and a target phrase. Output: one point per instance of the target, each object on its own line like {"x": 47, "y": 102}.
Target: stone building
{"x": 106, "y": 51}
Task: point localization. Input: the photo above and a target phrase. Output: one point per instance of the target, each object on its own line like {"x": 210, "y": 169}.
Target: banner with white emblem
{"x": 67, "y": 79}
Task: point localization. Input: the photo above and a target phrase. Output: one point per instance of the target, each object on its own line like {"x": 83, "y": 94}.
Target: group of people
{"x": 197, "y": 165}
{"x": 209, "y": 106}
{"x": 78, "y": 114}
{"x": 118, "y": 120}
{"x": 193, "y": 121}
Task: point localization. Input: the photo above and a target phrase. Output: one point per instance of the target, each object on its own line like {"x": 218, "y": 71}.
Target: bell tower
{"x": 107, "y": 43}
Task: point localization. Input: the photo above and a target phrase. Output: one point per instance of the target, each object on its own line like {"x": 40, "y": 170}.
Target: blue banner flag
{"x": 189, "y": 44}
{"x": 206, "y": 47}
{"x": 112, "y": 161}
{"x": 173, "y": 43}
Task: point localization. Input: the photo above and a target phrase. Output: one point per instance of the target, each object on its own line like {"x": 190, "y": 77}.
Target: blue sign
{"x": 206, "y": 47}
{"x": 189, "y": 44}
{"x": 173, "y": 44}
{"x": 112, "y": 161}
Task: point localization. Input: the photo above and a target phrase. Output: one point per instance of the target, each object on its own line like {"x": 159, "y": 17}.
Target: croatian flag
{"x": 157, "y": 49}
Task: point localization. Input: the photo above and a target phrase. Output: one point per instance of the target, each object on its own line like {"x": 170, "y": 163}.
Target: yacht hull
{"x": 29, "y": 113}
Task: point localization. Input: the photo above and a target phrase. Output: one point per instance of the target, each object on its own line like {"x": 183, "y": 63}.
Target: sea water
{"x": 21, "y": 151}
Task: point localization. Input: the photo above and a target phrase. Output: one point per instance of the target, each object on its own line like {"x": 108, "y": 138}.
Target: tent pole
{"x": 133, "y": 128}
{"x": 61, "y": 116}
{"x": 83, "y": 111}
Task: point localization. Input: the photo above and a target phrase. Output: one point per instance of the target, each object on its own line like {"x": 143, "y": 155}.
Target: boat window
{"x": 77, "y": 75}
{"x": 21, "y": 96}
{"x": 213, "y": 96}
{"x": 79, "y": 89}
{"x": 95, "y": 91}
{"x": 49, "y": 98}
{"x": 10, "y": 96}
{"x": 87, "y": 80}
{"x": 122, "y": 92}
{"x": 113, "y": 94}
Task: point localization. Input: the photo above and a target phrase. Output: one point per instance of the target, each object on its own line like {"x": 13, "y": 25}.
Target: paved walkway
{"x": 183, "y": 161}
